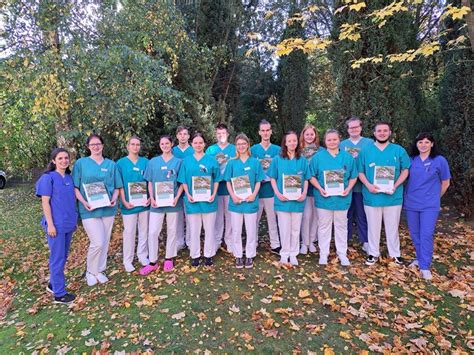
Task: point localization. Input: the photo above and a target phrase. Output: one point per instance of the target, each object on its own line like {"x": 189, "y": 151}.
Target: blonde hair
{"x": 242, "y": 136}
{"x": 316, "y": 136}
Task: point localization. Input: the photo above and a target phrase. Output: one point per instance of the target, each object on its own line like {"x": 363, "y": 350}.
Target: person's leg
{"x": 391, "y": 221}
{"x": 284, "y": 225}
{"x": 237, "y": 220}
{"x": 142, "y": 247}
{"x": 219, "y": 227}
{"x": 313, "y": 228}
{"x": 271, "y": 222}
{"x": 195, "y": 224}
{"x": 427, "y": 228}
{"x": 171, "y": 238}
{"x": 374, "y": 225}
{"x": 361, "y": 218}
{"x": 340, "y": 235}
{"x": 180, "y": 237}
{"x": 295, "y": 222}
{"x": 108, "y": 223}
{"x": 129, "y": 231}
{"x": 57, "y": 260}
{"x": 413, "y": 221}
{"x": 251, "y": 231}
{"x": 325, "y": 231}
{"x": 155, "y": 225}
{"x": 209, "y": 222}
{"x": 306, "y": 223}
{"x": 350, "y": 217}
{"x": 188, "y": 230}
{"x": 228, "y": 225}
{"x": 95, "y": 231}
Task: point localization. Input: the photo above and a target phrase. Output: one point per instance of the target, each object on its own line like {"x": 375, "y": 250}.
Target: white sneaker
{"x": 365, "y": 247}
{"x": 293, "y": 261}
{"x": 414, "y": 263}
{"x": 129, "y": 267}
{"x": 426, "y": 274}
{"x": 345, "y": 261}
{"x": 91, "y": 279}
{"x": 102, "y": 278}
{"x": 284, "y": 260}
{"x": 303, "y": 249}
{"x": 312, "y": 248}
{"x": 323, "y": 261}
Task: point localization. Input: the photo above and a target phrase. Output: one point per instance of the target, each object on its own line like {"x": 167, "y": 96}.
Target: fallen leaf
{"x": 179, "y": 315}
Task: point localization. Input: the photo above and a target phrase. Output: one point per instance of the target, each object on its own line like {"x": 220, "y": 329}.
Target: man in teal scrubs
{"x": 222, "y": 151}
{"x": 378, "y": 205}
{"x": 354, "y": 145}
{"x": 265, "y": 151}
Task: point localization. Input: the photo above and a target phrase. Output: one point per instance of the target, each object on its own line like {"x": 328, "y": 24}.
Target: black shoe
{"x": 371, "y": 260}
{"x": 208, "y": 262}
{"x": 49, "y": 288}
{"x": 276, "y": 250}
{"x": 398, "y": 260}
{"x": 239, "y": 263}
{"x": 66, "y": 299}
{"x": 195, "y": 262}
{"x": 248, "y": 263}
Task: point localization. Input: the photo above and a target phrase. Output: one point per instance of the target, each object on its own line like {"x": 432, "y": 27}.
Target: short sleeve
{"x": 117, "y": 177}
{"x": 260, "y": 174}
{"x": 181, "y": 174}
{"x": 360, "y": 162}
{"x": 44, "y": 186}
{"x": 216, "y": 172}
{"x": 147, "y": 175}
{"x": 306, "y": 171}
{"x": 273, "y": 169}
{"x": 228, "y": 171}
{"x": 404, "y": 159}
{"x": 353, "y": 168}
{"x": 76, "y": 174}
{"x": 444, "y": 169}
{"x": 313, "y": 166}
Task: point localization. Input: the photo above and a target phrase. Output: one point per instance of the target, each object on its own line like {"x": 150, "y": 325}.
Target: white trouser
{"x": 154, "y": 230}
{"x": 289, "y": 224}
{"x": 391, "y": 221}
{"x": 130, "y": 222}
{"x": 267, "y": 205}
{"x": 196, "y": 221}
{"x": 251, "y": 232}
{"x": 182, "y": 232}
{"x": 309, "y": 223}
{"x": 98, "y": 230}
{"x": 326, "y": 220}
{"x": 223, "y": 215}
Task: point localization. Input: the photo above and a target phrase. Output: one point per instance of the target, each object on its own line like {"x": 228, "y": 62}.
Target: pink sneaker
{"x": 149, "y": 268}
{"x": 168, "y": 265}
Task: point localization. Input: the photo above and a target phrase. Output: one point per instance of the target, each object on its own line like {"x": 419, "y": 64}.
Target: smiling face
{"x": 354, "y": 128}
{"x": 183, "y": 136}
{"x": 61, "y": 161}
{"x": 309, "y": 136}
{"x": 291, "y": 142}
{"x": 382, "y": 133}
{"x": 95, "y": 146}
{"x": 424, "y": 145}
{"x": 242, "y": 146}
{"x": 198, "y": 144}
{"x": 222, "y": 136}
{"x": 332, "y": 140}
{"x": 165, "y": 145}
{"x": 134, "y": 146}
{"x": 265, "y": 131}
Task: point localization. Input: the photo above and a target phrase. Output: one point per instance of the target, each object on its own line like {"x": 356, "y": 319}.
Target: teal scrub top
{"x": 281, "y": 166}
{"x": 181, "y": 154}
{"x": 355, "y": 150}
{"x": 325, "y": 161}
{"x": 222, "y": 156}
{"x": 130, "y": 172}
{"x": 392, "y": 155}
{"x": 87, "y": 171}
{"x": 206, "y": 166}
{"x": 308, "y": 152}
{"x": 158, "y": 171}
{"x": 252, "y": 168}
{"x": 265, "y": 157}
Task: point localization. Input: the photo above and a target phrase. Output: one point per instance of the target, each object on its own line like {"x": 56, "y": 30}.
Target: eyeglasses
{"x": 354, "y": 127}
{"x": 95, "y": 145}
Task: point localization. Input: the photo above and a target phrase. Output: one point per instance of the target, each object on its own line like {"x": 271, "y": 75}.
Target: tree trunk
{"x": 469, "y": 22}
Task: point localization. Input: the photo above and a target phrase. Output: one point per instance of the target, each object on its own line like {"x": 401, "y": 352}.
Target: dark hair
{"x": 181, "y": 128}
{"x": 198, "y": 134}
{"x": 382, "y": 123}
{"x": 329, "y": 131}
{"x": 222, "y": 126}
{"x": 93, "y": 135}
{"x": 262, "y": 122}
{"x": 134, "y": 137}
{"x": 284, "y": 148}
{"x": 353, "y": 119}
{"x": 51, "y": 166}
{"x": 424, "y": 135}
{"x": 166, "y": 136}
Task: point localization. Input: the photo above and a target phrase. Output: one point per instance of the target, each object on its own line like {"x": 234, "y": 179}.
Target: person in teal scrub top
{"x": 200, "y": 175}
{"x": 97, "y": 222}
{"x": 289, "y": 173}
{"x": 131, "y": 169}
{"x": 428, "y": 181}
{"x": 333, "y": 198}
{"x": 265, "y": 151}
{"x": 244, "y": 175}
{"x": 309, "y": 144}
{"x": 222, "y": 151}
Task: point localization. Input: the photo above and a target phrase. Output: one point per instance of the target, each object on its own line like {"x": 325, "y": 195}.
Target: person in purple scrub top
{"x": 428, "y": 181}
{"x": 58, "y": 200}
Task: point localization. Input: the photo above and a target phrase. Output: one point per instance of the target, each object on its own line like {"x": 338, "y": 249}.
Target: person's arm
{"x": 351, "y": 184}
{"x": 318, "y": 186}
{"x": 82, "y": 200}
{"x": 372, "y": 188}
{"x": 304, "y": 193}
{"x": 123, "y": 198}
{"x": 115, "y": 195}
{"x": 186, "y": 191}
{"x": 280, "y": 196}
{"x": 444, "y": 186}
{"x": 232, "y": 194}
{"x": 254, "y": 195}
{"x": 178, "y": 195}
{"x": 401, "y": 179}
{"x": 213, "y": 196}
{"x": 48, "y": 215}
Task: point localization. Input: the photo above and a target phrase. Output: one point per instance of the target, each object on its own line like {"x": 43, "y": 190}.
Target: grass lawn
{"x": 266, "y": 310}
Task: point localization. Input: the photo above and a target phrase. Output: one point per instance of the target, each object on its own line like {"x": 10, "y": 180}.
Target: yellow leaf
{"x": 344, "y": 335}
{"x": 268, "y": 14}
{"x": 357, "y": 7}
{"x": 218, "y": 320}
{"x": 328, "y": 351}
{"x": 431, "y": 328}
{"x": 304, "y": 293}
{"x": 313, "y": 8}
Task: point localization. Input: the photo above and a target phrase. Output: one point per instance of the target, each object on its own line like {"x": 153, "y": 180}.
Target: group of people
{"x": 305, "y": 190}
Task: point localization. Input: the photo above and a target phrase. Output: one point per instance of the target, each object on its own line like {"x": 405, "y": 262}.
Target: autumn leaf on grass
{"x": 246, "y": 336}
{"x": 202, "y": 316}
{"x": 304, "y": 293}
{"x": 294, "y": 326}
{"x": 91, "y": 342}
{"x": 315, "y": 328}
{"x": 268, "y": 323}
{"x": 234, "y": 309}
{"x": 308, "y": 300}
{"x": 179, "y": 315}
{"x": 85, "y": 332}
{"x": 223, "y": 297}
{"x": 431, "y": 328}
{"x": 345, "y": 335}
{"x": 328, "y": 351}
{"x": 218, "y": 320}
